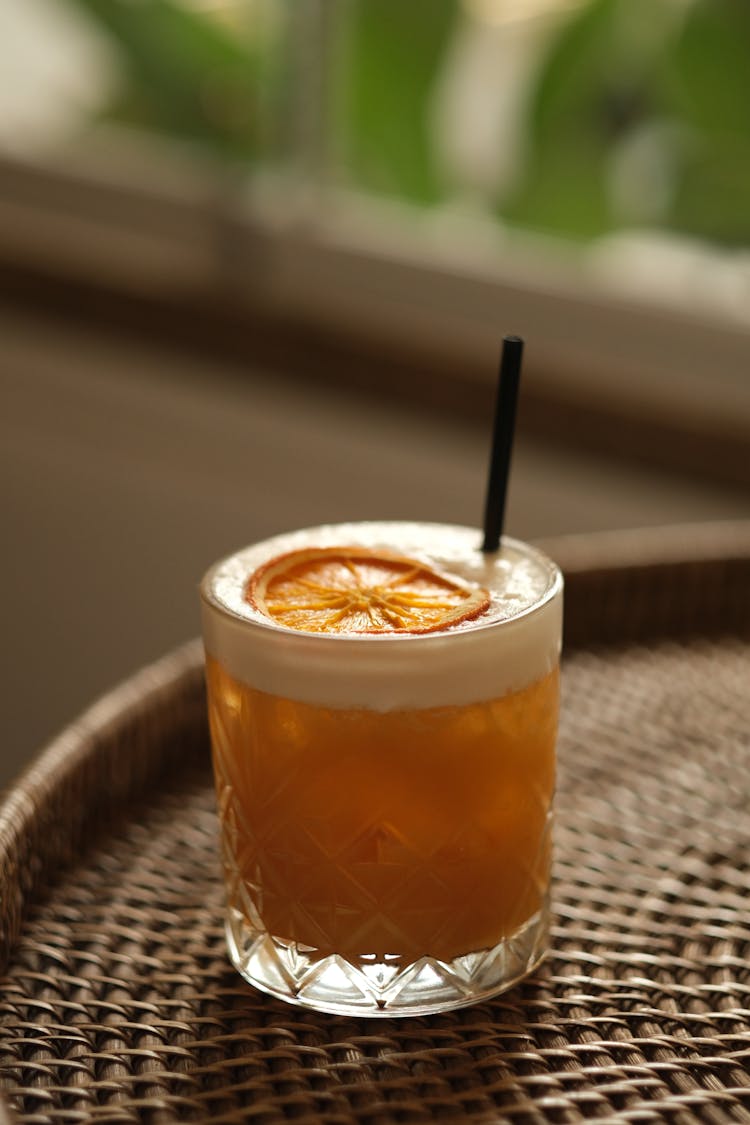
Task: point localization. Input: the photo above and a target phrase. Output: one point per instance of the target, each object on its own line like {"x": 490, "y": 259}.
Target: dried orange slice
{"x": 358, "y": 590}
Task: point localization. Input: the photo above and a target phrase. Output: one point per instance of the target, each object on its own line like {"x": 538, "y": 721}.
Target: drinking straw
{"x": 502, "y": 441}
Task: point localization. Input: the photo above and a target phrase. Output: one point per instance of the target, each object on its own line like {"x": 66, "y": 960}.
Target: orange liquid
{"x": 402, "y": 833}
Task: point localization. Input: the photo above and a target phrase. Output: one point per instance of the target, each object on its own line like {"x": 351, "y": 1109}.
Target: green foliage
{"x": 621, "y": 66}
{"x": 598, "y": 82}
{"x": 709, "y": 85}
{"x": 615, "y": 72}
{"x": 709, "y": 64}
{"x": 185, "y": 74}
{"x": 393, "y": 53}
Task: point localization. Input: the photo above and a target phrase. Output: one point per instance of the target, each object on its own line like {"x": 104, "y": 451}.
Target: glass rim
{"x": 464, "y": 629}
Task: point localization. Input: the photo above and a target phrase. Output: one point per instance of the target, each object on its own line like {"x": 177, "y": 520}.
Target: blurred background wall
{"x": 256, "y": 260}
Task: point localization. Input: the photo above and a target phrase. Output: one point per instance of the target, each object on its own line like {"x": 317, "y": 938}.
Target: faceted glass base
{"x": 382, "y": 988}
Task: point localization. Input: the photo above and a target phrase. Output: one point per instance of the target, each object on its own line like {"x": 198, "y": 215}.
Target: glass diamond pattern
{"x": 363, "y": 879}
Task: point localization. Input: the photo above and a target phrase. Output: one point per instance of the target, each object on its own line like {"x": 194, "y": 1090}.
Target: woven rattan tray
{"x": 117, "y": 1001}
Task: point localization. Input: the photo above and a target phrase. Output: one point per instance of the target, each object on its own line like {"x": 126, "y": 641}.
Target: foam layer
{"x": 516, "y": 641}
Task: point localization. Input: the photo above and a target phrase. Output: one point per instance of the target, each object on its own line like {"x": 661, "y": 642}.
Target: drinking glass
{"x": 386, "y": 800}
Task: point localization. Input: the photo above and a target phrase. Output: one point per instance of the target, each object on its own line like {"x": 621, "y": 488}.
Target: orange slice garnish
{"x": 358, "y": 590}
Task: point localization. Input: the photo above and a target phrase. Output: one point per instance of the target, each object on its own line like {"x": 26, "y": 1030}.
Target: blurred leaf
{"x": 708, "y": 78}
{"x": 713, "y": 198}
{"x": 578, "y": 69}
{"x": 188, "y": 75}
{"x": 600, "y": 80}
{"x": 394, "y": 52}
{"x": 710, "y": 68}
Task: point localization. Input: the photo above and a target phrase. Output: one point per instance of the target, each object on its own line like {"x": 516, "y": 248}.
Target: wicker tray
{"x": 118, "y": 1004}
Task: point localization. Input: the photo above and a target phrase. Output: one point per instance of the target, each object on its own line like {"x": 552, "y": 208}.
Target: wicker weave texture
{"x": 118, "y": 1003}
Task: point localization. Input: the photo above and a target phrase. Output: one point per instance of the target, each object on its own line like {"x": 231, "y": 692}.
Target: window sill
{"x": 665, "y": 372}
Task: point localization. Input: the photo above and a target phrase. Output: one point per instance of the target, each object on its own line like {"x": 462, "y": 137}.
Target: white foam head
{"x": 513, "y": 643}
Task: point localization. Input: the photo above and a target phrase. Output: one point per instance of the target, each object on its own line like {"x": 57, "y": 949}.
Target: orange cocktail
{"x": 385, "y": 792}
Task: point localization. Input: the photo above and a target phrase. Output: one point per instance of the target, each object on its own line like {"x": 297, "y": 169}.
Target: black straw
{"x": 502, "y": 441}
